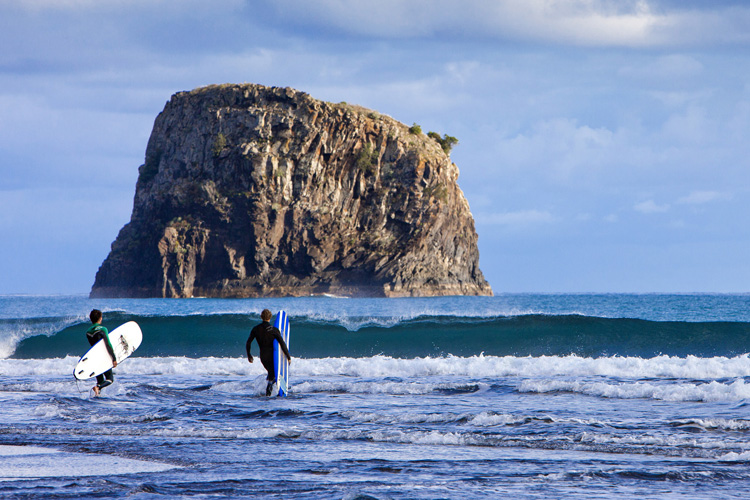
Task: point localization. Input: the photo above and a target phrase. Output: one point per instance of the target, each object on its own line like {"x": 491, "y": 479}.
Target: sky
{"x": 603, "y": 144}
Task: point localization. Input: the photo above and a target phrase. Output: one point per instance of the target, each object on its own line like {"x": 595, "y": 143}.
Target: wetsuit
{"x": 265, "y": 334}
{"x": 95, "y": 334}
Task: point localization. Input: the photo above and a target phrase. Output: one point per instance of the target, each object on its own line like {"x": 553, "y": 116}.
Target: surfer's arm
{"x": 247, "y": 346}
{"x": 110, "y": 349}
{"x": 282, "y": 344}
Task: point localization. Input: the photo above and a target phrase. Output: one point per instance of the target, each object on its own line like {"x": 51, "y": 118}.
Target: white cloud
{"x": 611, "y": 218}
{"x": 679, "y": 99}
{"x": 626, "y": 23}
{"x": 650, "y": 207}
{"x": 691, "y": 126}
{"x": 585, "y": 22}
{"x": 521, "y": 218}
{"x": 589, "y": 22}
{"x": 664, "y": 68}
{"x": 86, "y": 5}
{"x": 702, "y": 197}
{"x": 561, "y": 147}
{"x": 694, "y": 198}
{"x": 708, "y": 25}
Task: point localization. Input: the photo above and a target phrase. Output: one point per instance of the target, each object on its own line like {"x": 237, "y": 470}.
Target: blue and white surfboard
{"x": 280, "y": 363}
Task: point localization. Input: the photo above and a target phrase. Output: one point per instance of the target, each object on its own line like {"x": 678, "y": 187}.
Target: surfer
{"x": 95, "y": 334}
{"x": 265, "y": 334}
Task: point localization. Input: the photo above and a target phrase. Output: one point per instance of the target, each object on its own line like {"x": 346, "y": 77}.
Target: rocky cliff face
{"x": 252, "y": 191}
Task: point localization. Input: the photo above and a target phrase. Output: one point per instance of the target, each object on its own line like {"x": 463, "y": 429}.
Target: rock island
{"x": 254, "y": 191}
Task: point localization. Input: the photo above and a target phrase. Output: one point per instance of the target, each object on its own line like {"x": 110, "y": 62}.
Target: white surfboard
{"x": 280, "y": 362}
{"x": 125, "y": 339}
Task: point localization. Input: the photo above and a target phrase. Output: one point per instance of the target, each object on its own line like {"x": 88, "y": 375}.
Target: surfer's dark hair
{"x": 266, "y": 315}
{"x": 96, "y": 315}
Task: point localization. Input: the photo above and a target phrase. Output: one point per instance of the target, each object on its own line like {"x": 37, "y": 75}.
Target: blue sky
{"x": 603, "y": 144}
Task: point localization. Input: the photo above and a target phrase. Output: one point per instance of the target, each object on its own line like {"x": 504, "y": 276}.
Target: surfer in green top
{"x": 94, "y": 335}
{"x": 265, "y": 334}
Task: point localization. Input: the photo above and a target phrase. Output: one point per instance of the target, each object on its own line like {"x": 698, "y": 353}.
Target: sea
{"x": 549, "y": 396}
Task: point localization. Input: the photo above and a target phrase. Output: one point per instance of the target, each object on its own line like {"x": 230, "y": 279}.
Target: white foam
{"x": 257, "y": 386}
{"x": 650, "y": 441}
{"x": 477, "y": 367}
{"x": 484, "y": 419}
{"x": 736, "y": 457}
{"x": 713, "y": 391}
{"x": 9, "y": 451}
{"x": 401, "y": 418}
{"x": 374, "y": 387}
{"x": 22, "y": 462}
{"x": 691, "y": 367}
{"x": 428, "y": 438}
{"x": 489, "y": 419}
{"x": 205, "y": 432}
{"x": 716, "y": 423}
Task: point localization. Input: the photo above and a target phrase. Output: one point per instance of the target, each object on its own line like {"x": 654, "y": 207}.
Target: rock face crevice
{"x": 250, "y": 191}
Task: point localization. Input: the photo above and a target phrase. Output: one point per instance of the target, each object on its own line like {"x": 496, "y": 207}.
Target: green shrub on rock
{"x": 446, "y": 142}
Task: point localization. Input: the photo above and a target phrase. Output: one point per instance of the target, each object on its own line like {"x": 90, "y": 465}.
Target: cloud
{"x": 664, "y": 68}
{"x": 694, "y": 198}
{"x": 650, "y": 207}
{"x": 690, "y": 127}
{"x": 625, "y": 23}
{"x": 583, "y": 23}
{"x": 561, "y": 148}
{"x": 703, "y": 197}
{"x": 543, "y": 120}
{"x": 518, "y": 219}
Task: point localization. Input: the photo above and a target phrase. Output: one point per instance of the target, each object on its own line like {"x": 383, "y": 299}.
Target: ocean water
{"x": 534, "y": 396}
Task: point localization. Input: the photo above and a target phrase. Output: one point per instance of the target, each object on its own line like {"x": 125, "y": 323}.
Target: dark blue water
{"x": 536, "y": 396}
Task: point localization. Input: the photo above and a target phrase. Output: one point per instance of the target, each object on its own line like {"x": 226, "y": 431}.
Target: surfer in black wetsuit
{"x": 265, "y": 334}
{"x": 94, "y": 335}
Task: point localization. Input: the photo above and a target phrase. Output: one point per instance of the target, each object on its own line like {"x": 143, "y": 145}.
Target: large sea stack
{"x": 253, "y": 191}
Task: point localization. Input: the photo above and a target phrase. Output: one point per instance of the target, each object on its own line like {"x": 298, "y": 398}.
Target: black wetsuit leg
{"x": 271, "y": 377}
{"x": 105, "y": 379}
{"x": 268, "y": 365}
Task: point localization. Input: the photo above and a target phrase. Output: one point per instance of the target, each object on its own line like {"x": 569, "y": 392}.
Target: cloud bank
{"x": 587, "y": 128}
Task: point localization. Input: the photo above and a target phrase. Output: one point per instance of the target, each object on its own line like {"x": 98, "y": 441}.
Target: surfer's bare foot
{"x": 96, "y": 390}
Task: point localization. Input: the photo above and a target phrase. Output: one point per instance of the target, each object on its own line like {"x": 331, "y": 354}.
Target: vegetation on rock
{"x": 446, "y": 142}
